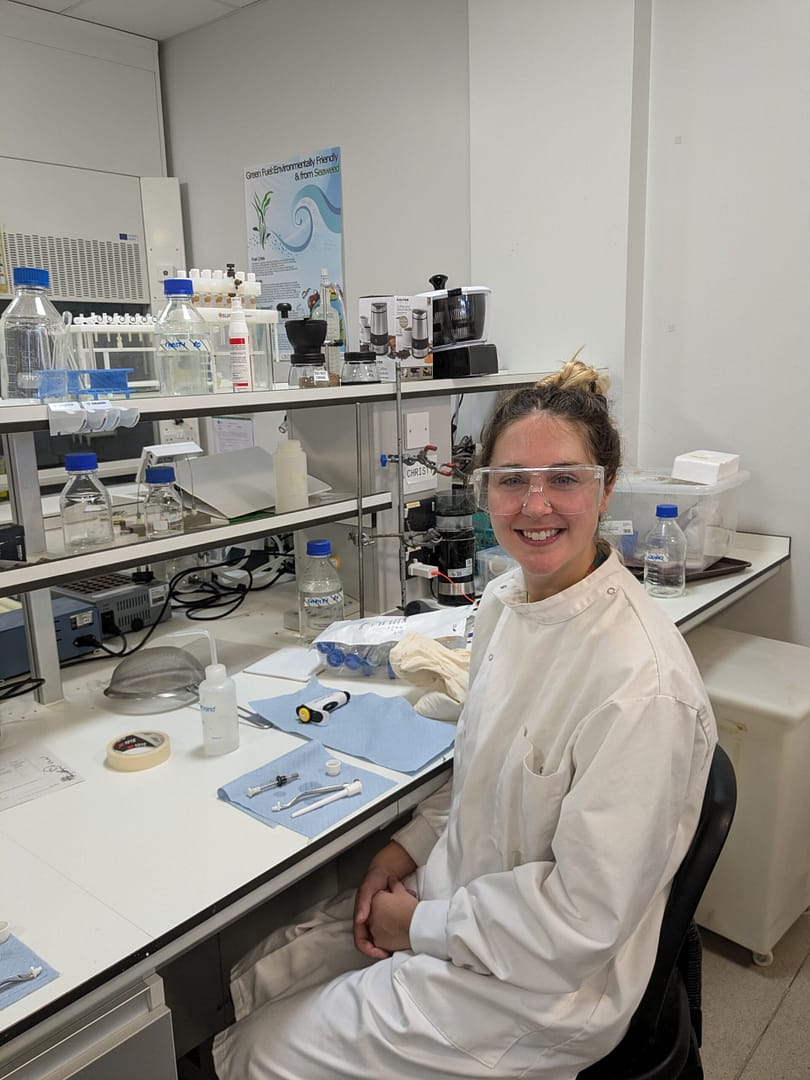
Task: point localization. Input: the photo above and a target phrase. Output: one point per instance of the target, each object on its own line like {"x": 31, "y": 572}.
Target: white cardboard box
{"x": 705, "y": 466}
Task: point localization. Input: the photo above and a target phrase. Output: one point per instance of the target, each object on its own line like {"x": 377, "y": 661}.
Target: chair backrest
{"x": 716, "y": 815}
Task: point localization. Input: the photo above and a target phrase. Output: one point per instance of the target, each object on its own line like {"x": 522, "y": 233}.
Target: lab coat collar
{"x": 605, "y": 582}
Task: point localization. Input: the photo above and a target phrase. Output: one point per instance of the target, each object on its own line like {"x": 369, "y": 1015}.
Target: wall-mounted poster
{"x": 295, "y": 229}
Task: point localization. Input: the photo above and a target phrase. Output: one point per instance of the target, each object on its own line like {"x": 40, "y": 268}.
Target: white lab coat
{"x": 580, "y": 764}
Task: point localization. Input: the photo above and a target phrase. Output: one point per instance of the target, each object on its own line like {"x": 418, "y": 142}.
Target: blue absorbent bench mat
{"x": 309, "y": 761}
{"x": 385, "y": 730}
{"x": 16, "y": 957}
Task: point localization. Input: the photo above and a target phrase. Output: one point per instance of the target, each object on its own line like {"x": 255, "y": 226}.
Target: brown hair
{"x": 575, "y": 393}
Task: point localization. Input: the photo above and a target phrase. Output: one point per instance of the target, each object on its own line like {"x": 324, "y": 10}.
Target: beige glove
{"x": 443, "y": 673}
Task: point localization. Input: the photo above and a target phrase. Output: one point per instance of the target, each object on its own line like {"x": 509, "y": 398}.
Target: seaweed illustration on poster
{"x": 261, "y": 206}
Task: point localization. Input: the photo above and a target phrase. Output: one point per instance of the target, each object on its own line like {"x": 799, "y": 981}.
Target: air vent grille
{"x": 101, "y": 270}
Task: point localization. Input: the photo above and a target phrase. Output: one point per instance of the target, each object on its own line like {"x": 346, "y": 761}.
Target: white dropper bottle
{"x": 218, "y": 706}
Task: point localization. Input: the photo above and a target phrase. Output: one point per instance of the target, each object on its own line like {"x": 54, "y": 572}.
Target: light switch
{"x": 417, "y": 430}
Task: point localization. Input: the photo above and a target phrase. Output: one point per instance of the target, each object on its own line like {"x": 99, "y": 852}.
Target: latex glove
{"x": 439, "y": 706}
{"x": 429, "y": 664}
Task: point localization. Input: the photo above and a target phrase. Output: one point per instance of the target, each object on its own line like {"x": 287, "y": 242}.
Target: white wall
{"x": 558, "y": 137}
{"x": 78, "y": 94}
{"x": 726, "y": 328}
{"x": 385, "y": 81}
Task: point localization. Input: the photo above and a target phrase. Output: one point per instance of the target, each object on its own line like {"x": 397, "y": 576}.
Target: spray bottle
{"x": 239, "y": 343}
{"x": 220, "y": 718}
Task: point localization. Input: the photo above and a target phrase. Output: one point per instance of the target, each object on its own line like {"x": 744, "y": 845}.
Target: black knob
{"x": 438, "y": 281}
{"x": 284, "y": 310}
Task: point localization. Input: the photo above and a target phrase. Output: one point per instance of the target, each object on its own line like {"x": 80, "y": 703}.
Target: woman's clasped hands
{"x": 384, "y": 907}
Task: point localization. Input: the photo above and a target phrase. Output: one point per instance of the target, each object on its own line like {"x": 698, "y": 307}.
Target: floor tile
{"x": 783, "y": 1053}
{"x": 741, "y": 1000}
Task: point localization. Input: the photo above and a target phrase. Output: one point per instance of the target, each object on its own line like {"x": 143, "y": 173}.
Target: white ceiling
{"x": 157, "y": 19}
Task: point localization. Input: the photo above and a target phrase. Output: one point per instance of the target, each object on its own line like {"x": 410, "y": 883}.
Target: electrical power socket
{"x": 179, "y": 430}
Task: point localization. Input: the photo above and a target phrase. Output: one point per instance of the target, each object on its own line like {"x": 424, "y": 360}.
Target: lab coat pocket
{"x": 527, "y": 804}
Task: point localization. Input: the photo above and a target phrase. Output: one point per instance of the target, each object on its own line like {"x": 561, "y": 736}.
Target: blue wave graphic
{"x": 303, "y": 218}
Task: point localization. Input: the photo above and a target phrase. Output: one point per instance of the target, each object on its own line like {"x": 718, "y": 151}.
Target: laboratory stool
{"x": 760, "y": 693}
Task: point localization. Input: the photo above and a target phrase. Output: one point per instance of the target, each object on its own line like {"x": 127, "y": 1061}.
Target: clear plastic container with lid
{"x": 182, "y": 343}
{"x": 320, "y": 591}
{"x": 359, "y": 367}
{"x": 665, "y": 554}
{"x": 163, "y": 508}
{"x": 34, "y": 342}
{"x": 84, "y": 504}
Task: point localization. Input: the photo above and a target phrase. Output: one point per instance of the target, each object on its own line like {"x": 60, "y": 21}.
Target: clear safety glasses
{"x": 569, "y": 489}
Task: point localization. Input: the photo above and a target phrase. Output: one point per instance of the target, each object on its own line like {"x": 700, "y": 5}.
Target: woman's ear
{"x": 606, "y": 496}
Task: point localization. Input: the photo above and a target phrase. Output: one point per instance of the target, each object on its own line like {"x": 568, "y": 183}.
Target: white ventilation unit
{"x": 104, "y": 237}
{"x": 83, "y": 269}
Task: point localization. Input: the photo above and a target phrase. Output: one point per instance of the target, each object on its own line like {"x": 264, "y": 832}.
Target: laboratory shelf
{"x": 122, "y": 556}
{"x": 29, "y": 416}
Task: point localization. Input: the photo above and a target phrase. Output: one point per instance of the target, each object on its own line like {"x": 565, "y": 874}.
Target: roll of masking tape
{"x": 4, "y": 932}
{"x": 138, "y": 750}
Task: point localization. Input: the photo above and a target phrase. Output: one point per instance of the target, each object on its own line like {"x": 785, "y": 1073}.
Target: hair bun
{"x": 574, "y": 375}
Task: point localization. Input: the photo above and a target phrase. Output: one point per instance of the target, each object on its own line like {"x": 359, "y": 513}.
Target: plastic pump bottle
{"x": 239, "y": 343}
{"x": 290, "y": 476}
{"x": 218, "y": 705}
{"x": 665, "y": 554}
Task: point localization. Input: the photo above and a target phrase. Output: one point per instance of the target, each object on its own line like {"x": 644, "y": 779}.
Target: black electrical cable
{"x": 18, "y": 689}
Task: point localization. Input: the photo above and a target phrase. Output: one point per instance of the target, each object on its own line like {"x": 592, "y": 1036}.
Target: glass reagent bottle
{"x": 84, "y": 504}
{"x": 163, "y": 508}
{"x": 320, "y": 591}
{"x": 665, "y": 554}
{"x": 182, "y": 343}
{"x": 34, "y": 343}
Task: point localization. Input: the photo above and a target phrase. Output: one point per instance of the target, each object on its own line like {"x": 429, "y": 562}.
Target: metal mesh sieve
{"x": 163, "y": 671}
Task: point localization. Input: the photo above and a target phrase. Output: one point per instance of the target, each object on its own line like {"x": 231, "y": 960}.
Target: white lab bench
{"x": 112, "y": 878}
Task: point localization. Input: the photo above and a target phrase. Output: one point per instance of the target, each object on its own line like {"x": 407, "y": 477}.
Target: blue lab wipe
{"x": 310, "y": 762}
{"x": 385, "y": 730}
{"x": 16, "y": 957}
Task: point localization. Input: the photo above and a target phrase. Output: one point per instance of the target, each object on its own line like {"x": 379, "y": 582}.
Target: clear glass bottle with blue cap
{"x": 320, "y": 591}
{"x": 34, "y": 341}
{"x": 84, "y": 504}
{"x": 665, "y": 554}
{"x": 182, "y": 343}
{"x": 163, "y": 508}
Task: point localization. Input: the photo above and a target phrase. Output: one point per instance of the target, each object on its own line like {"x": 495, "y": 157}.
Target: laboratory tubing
{"x": 84, "y": 505}
{"x": 220, "y": 716}
{"x": 34, "y": 341}
{"x": 290, "y": 477}
{"x": 320, "y": 591}
{"x": 317, "y": 711}
{"x": 239, "y": 345}
{"x": 182, "y": 343}
{"x": 163, "y": 509}
{"x": 665, "y": 554}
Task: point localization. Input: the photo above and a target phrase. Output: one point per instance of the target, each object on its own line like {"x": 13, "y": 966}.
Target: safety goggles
{"x": 569, "y": 489}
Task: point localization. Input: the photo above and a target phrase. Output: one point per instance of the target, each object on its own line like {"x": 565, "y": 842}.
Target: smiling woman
{"x": 509, "y": 930}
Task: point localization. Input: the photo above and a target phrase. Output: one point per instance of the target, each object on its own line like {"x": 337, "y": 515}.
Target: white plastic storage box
{"x": 760, "y": 693}
{"x": 707, "y": 513}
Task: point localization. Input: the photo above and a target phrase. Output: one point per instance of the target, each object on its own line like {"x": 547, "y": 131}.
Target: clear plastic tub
{"x": 707, "y": 513}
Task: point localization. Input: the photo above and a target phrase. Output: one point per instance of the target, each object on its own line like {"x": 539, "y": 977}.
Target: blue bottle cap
{"x": 319, "y": 547}
{"x": 29, "y": 275}
{"x": 666, "y": 510}
{"x": 160, "y": 474}
{"x": 178, "y": 286}
{"x": 81, "y": 462}
{"x": 335, "y": 658}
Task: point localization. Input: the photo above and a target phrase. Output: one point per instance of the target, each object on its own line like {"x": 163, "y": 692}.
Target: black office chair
{"x": 663, "y": 1040}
